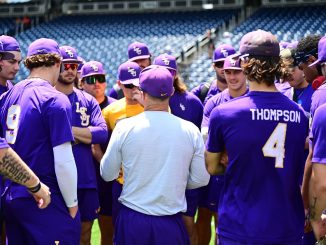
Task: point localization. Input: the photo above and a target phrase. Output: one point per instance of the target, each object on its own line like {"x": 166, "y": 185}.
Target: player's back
{"x": 264, "y": 135}
{"x": 32, "y": 118}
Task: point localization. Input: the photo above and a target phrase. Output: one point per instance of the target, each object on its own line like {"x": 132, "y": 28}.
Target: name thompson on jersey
{"x": 276, "y": 115}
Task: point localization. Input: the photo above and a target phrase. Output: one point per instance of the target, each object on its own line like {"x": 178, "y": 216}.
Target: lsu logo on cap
{"x": 137, "y": 50}
{"x": 132, "y": 71}
{"x": 94, "y": 67}
{"x": 224, "y": 52}
{"x": 166, "y": 61}
{"x": 69, "y": 52}
{"x": 233, "y": 62}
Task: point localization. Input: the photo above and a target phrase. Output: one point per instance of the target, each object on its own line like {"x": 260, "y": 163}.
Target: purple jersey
{"x": 302, "y": 96}
{"x": 187, "y": 106}
{"x": 86, "y": 113}
{"x": 214, "y": 101}
{"x": 318, "y": 98}
{"x": 318, "y": 135}
{"x": 213, "y": 90}
{"x": 116, "y": 92}
{"x": 264, "y": 135}
{"x": 4, "y": 89}
{"x": 34, "y": 119}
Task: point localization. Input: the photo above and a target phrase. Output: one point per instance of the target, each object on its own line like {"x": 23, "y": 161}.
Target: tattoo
{"x": 12, "y": 169}
{"x": 312, "y": 209}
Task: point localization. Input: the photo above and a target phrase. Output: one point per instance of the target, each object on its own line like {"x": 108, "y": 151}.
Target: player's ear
{"x": 119, "y": 83}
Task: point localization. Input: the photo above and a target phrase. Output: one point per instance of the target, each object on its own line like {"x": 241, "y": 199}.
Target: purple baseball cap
{"x": 8, "y": 44}
{"x": 321, "y": 52}
{"x": 92, "y": 68}
{"x": 138, "y": 51}
{"x": 157, "y": 81}
{"x": 81, "y": 63}
{"x": 259, "y": 43}
{"x": 232, "y": 62}
{"x": 69, "y": 54}
{"x": 43, "y": 46}
{"x": 167, "y": 61}
{"x": 222, "y": 51}
{"x": 128, "y": 73}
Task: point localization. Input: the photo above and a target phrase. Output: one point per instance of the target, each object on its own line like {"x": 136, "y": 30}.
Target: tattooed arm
{"x": 13, "y": 167}
{"x": 317, "y": 199}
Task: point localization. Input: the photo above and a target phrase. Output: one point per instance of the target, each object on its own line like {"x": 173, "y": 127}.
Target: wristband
{"x": 35, "y": 188}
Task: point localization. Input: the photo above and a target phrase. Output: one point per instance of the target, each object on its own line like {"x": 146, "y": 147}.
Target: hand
{"x": 307, "y": 224}
{"x": 224, "y": 159}
{"x": 97, "y": 152}
{"x": 319, "y": 227}
{"x": 42, "y": 197}
{"x": 73, "y": 211}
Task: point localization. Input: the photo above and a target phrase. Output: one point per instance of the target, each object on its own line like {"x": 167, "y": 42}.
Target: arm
{"x": 306, "y": 180}
{"x": 97, "y": 152}
{"x": 111, "y": 161}
{"x": 13, "y": 167}
{"x": 66, "y": 172}
{"x": 198, "y": 175}
{"x": 212, "y": 161}
{"x": 317, "y": 199}
{"x": 83, "y": 135}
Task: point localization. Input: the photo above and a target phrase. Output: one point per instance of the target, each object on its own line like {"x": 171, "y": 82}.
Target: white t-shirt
{"x": 162, "y": 155}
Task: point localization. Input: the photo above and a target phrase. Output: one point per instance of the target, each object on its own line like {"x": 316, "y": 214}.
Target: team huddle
{"x": 154, "y": 162}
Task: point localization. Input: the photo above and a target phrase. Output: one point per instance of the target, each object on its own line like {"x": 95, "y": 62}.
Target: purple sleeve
{"x": 210, "y": 105}
{"x": 196, "y": 90}
{"x": 3, "y": 143}
{"x": 319, "y": 136}
{"x": 215, "y": 142}
{"x": 98, "y": 126}
{"x": 113, "y": 93}
{"x": 58, "y": 116}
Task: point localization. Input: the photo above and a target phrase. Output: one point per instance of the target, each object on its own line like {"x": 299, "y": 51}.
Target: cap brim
{"x": 71, "y": 61}
{"x": 6, "y": 55}
{"x": 315, "y": 63}
{"x": 220, "y": 59}
{"x": 140, "y": 57}
{"x": 92, "y": 74}
{"x": 131, "y": 81}
{"x": 233, "y": 68}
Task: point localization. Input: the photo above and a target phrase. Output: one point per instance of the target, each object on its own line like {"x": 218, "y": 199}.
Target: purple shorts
{"x": 105, "y": 197}
{"x": 88, "y": 204}
{"x": 135, "y": 228}
{"x": 192, "y": 198}
{"x": 209, "y": 195}
{"x": 116, "y": 205}
{"x": 27, "y": 224}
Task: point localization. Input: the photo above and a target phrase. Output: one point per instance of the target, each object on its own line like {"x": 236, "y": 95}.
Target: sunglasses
{"x": 219, "y": 64}
{"x": 94, "y": 78}
{"x": 129, "y": 86}
{"x": 302, "y": 57}
{"x": 68, "y": 66}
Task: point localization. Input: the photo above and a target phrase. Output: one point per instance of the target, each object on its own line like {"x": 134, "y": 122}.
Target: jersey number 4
{"x": 12, "y": 123}
{"x": 274, "y": 146}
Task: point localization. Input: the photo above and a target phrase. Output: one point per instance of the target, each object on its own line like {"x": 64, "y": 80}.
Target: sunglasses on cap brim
{"x": 94, "y": 78}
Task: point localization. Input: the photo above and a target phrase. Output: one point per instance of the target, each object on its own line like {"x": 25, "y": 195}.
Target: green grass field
{"x": 96, "y": 236}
